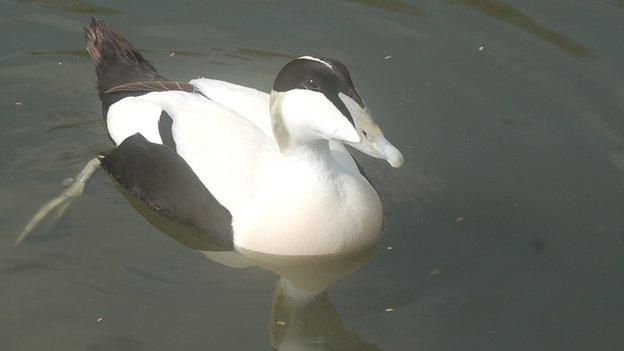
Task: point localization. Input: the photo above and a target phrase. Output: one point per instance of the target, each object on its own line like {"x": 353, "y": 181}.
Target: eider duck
{"x": 264, "y": 172}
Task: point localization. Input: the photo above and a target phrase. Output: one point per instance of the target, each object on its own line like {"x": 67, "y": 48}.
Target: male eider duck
{"x": 262, "y": 172}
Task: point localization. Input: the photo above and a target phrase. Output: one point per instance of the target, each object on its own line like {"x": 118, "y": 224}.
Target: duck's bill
{"x": 388, "y": 152}
{"x": 372, "y": 140}
{"x": 376, "y": 145}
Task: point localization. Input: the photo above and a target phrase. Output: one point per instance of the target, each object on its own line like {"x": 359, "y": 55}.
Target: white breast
{"x": 302, "y": 211}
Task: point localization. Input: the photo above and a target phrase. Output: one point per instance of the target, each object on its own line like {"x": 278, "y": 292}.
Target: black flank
{"x": 160, "y": 178}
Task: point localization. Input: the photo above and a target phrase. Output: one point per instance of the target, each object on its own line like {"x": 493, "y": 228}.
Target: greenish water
{"x": 506, "y": 222}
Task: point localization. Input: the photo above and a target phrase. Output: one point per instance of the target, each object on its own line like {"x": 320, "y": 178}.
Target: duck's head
{"x": 313, "y": 98}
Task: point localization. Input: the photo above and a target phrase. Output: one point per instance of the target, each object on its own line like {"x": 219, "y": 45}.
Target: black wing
{"x": 160, "y": 178}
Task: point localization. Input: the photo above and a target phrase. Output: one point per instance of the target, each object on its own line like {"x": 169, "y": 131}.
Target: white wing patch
{"x": 134, "y": 115}
{"x": 219, "y": 145}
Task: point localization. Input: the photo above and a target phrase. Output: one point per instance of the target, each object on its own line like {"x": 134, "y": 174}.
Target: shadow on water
{"x": 71, "y": 6}
{"x": 74, "y": 125}
{"x": 509, "y": 14}
{"x": 72, "y": 53}
{"x": 302, "y": 316}
{"x": 390, "y": 6}
{"x": 71, "y": 120}
{"x": 248, "y": 54}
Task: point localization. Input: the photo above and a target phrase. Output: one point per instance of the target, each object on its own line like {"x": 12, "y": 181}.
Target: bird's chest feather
{"x": 303, "y": 210}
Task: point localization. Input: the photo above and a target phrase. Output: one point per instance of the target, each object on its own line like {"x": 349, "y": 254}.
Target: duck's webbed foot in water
{"x": 59, "y": 204}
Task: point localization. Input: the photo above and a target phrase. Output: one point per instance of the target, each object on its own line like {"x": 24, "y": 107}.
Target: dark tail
{"x": 116, "y": 61}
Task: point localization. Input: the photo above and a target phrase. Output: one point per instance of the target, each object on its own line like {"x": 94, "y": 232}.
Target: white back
{"x": 253, "y": 105}
{"x": 249, "y": 103}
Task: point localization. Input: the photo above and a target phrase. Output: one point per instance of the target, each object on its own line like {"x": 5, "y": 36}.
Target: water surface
{"x": 505, "y": 224}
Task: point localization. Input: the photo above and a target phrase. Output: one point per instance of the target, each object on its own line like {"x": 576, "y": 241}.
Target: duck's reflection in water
{"x": 302, "y": 315}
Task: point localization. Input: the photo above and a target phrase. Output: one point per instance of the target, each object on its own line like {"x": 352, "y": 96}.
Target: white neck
{"x": 314, "y": 151}
{"x": 301, "y": 117}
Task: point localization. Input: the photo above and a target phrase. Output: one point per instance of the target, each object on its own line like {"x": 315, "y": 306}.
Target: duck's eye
{"x": 312, "y": 85}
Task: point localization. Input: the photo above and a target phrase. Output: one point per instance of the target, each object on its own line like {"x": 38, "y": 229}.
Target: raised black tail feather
{"x": 116, "y": 61}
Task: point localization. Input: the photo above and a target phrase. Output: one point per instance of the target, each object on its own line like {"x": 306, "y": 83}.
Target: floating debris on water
{"x": 434, "y": 273}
